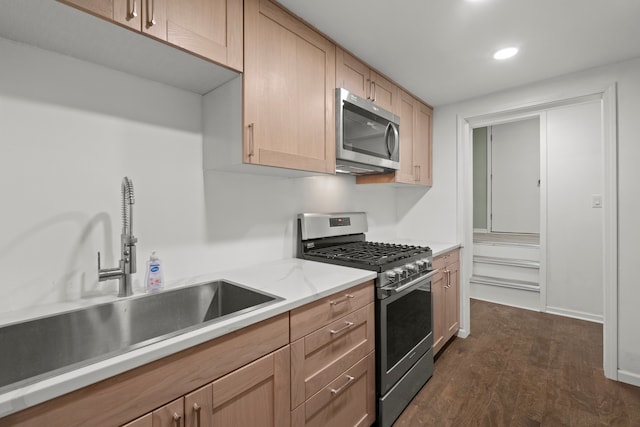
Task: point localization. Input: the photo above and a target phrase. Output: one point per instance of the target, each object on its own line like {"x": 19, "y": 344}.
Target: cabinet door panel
{"x": 144, "y": 421}
{"x": 198, "y": 407}
{"x": 103, "y": 8}
{"x": 352, "y": 74}
{"x": 169, "y": 415}
{"x": 209, "y": 28}
{"x": 154, "y": 18}
{"x": 254, "y": 395}
{"x": 452, "y": 298}
{"x": 406, "y": 112}
{"x": 289, "y": 92}
{"x": 437, "y": 295}
{"x": 384, "y": 93}
{"x": 423, "y": 145}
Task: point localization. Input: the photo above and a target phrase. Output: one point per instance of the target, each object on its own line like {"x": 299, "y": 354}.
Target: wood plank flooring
{"x": 522, "y": 368}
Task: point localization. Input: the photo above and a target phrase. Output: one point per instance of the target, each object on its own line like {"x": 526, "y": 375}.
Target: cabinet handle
{"x": 373, "y": 91}
{"x": 251, "y": 142}
{"x": 133, "y": 13}
{"x": 346, "y": 298}
{"x": 344, "y": 328}
{"x": 335, "y": 391}
{"x": 368, "y": 95}
{"x": 151, "y": 13}
{"x": 176, "y": 419}
{"x": 417, "y": 173}
{"x": 197, "y": 408}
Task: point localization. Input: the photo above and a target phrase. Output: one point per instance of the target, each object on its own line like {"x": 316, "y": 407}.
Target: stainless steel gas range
{"x": 404, "y": 336}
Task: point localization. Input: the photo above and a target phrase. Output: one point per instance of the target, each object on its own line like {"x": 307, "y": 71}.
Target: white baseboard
{"x": 462, "y": 333}
{"x": 597, "y": 318}
{"x": 629, "y": 377}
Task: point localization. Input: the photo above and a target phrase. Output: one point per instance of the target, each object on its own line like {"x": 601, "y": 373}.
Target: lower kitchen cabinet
{"x": 445, "y": 291}
{"x": 333, "y": 364}
{"x": 256, "y": 395}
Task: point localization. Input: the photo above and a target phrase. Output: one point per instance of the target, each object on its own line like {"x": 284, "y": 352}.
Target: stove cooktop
{"x": 369, "y": 255}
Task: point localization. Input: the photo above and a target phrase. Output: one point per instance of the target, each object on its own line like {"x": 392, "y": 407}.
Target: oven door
{"x": 404, "y": 331}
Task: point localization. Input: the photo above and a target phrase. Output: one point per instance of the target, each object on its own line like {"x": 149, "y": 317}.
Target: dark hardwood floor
{"x": 523, "y": 369}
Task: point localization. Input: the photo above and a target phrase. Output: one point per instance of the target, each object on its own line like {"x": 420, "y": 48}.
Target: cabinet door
{"x": 289, "y": 91}
{"x": 407, "y": 111}
{"x": 209, "y": 28}
{"x": 154, "y": 18}
{"x": 352, "y": 74}
{"x": 384, "y": 93}
{"x": 144, "y": 421}
{"x": 256, "y": 395}
{"x": 452, "y": 304}
{"x": 422, "y": 144}
{"x": 169, "y": 415}
{"x": 198, "y": 407}
{"x": 102, "y": 8}
{"x": 437, "y": 295}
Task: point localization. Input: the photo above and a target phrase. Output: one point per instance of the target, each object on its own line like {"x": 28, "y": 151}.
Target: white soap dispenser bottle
{"x": 154, "y": 279}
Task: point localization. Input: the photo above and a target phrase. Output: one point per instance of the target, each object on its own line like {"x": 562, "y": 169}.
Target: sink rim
{"x": 145, "y": 343}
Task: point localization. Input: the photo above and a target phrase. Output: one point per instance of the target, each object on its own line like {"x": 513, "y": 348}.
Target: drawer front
{"x": 441, "y": 261}
{"x": 347, "y": 401}
{"x": 310, "y": 317}
{"x": 321, "y": 356}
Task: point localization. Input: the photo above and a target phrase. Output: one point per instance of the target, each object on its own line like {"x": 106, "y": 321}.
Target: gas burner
{"x": 370, "y": 253}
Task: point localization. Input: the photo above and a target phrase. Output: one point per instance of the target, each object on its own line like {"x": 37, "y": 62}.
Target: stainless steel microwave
{"x": 367, "y": 136}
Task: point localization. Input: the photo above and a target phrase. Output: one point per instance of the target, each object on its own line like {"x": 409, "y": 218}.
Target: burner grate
{"x": 371, "y": 253}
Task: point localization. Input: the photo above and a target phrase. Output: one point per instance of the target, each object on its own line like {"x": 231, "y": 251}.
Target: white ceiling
{"x": 441, "y": 50}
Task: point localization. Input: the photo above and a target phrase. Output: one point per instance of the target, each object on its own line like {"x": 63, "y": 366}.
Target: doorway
{"x": 607, "y": 229}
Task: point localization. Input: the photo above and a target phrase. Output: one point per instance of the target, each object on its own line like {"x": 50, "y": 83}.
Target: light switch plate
{"x": 596, "y": 200}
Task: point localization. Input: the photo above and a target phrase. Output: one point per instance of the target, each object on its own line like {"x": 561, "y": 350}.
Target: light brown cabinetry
{"x": 356, "y": 76}
{"x": 289, "y": 79}
{"x": 415, "y": 145}
{"x": 445, "y": 292}
{"x": 211, "y": 29}
{"x": 332, "y": 360}
{"x": 254, "y": 395}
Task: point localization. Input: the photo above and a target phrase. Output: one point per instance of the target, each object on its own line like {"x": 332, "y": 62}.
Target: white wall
{"x": 515, "y": 174}
{"x": 433, "y": 214}
{"x": 574, "y": 227}
{"x": 69, "y": 132}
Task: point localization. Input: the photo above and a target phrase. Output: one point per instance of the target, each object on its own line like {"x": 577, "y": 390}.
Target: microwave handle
{"x": 396, "y": 139}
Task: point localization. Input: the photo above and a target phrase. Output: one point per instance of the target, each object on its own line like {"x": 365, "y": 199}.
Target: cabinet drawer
{"x": 449, "y": 258}
{"x": 347, "y": 401}
{"x": 317, "y": 314}
{"x": 322, "y": 356}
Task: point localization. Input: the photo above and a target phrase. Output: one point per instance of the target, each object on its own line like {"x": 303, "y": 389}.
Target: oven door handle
{"x": 411, "y": 283}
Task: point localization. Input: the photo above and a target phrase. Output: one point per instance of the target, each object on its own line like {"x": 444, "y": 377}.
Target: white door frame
{"x": 478, "y": 118}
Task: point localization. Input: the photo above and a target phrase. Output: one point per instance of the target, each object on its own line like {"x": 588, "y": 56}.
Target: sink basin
{"x": 47, "y": 346}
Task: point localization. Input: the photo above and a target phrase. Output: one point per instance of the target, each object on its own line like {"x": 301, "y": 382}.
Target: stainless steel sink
{"x": 37, "y": 349}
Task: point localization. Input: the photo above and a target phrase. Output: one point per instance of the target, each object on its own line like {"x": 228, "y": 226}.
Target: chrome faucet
{"x": 127, "y": 265}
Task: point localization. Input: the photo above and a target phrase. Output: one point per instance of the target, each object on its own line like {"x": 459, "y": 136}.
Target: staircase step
{"x": 506, "y": 283}
{"x": 511, "y": 262}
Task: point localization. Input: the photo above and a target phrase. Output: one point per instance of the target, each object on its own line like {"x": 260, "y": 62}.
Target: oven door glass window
{"x": 408, "y": 323}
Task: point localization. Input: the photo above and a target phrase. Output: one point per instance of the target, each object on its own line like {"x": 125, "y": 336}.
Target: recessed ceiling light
{"x": 505, "y": 53}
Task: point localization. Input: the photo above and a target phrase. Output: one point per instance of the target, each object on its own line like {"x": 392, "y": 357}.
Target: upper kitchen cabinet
{"x": 288, "y": 98}
{"x": 356, "y": 76}
{"x": 211, "y": 29}
{"x": 415, "y": 145}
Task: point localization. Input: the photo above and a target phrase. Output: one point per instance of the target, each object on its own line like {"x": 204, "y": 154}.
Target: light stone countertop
{"x": 297, "y": 281}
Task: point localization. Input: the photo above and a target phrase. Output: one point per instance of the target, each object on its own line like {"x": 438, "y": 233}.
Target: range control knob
{"x": 391, "y": 275}
{"x": 421, "y": 264}
{"x": 411, "y": 268}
